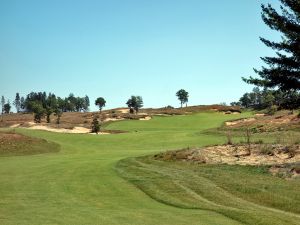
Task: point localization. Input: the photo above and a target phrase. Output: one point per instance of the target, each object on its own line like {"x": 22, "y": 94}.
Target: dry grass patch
{"x": 12, "y": 144}
{"x": 268, "y": 154}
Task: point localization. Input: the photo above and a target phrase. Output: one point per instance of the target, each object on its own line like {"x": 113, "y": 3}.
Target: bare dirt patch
{"x": 273, "y": 155}
{"x": 237, "y": 154}
{"x": 241, "y": 121}
{"x": 122, "y": 110}
{"x": 267, "y": 123}
{"x": 146, "y": 118}
{"x": 260, "y": 114}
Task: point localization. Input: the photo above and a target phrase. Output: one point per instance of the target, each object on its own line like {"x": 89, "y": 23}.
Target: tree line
{"x": 44, "y": 105}
{"x": 259, "y": 99}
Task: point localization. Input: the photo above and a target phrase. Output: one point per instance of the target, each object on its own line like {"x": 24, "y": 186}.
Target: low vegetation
{"x": 12, "y": 144}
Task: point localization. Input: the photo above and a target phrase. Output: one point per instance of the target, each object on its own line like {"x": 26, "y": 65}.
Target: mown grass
{"x": 247, "y": 194}
{"x": 80, "y": 184}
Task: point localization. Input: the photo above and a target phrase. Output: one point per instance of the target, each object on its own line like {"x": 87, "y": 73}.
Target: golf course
{"x": 91, "y": 181}
{"x": 132, "y": 112}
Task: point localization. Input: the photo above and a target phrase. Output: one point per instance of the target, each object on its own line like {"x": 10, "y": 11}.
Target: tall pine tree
{"x": 283, "y": 70}
{"x": 17, "y": 102}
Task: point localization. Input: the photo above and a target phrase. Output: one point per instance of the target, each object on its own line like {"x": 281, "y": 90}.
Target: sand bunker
{"x": 75, "y": 130}
{"x": 123, "y": 110}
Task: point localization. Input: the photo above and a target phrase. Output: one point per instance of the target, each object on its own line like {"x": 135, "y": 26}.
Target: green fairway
{"x": 81, "y": 185}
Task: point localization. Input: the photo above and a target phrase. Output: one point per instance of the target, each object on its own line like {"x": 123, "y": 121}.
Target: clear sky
{"x": 119, "y": 48}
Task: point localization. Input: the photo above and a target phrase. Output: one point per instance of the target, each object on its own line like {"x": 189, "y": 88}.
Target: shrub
{"x": 229, "y": 138}
{"x": 259, "y": 142}
{"x": 248, "y": 135}
{"x": 290, "y": 150}
{"x": 95, "y": 125}
{"x": 272, "y": 110}
{"x": 266, "y": 150}
{"x": 169, "y": 107}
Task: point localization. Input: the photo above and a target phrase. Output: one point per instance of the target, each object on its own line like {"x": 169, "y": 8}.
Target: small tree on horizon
{"x": 183, "y": 96}
{"x": 135, "y": 102}
{"x": 50, "y": 106}
{"x": 2, "y": 107}
{"x": 22, "y": 101}
{"x": 17, "y": 102}
{"x": 7, "y": 107}
{"x": 100, "y": 102}
{"x": 86, "y": 103}
{"x": 39, "y": 111}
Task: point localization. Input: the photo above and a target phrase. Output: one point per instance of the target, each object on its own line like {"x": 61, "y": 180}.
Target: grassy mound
{"x": 246, "y": 194}
{"x": 12, "y": 144}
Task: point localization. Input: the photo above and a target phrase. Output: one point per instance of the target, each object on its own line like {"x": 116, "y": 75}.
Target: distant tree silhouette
{"x": 7, "y": 107}
{"x": 100, "y": 102}
{"x": 183, "y": 96}
{"x": 135, "y": 102}
{"x": 17, "y": 102}
{"x": 2, "y": 106}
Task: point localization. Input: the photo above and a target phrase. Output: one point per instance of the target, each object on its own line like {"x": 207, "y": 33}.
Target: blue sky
{"x": 119, "y": 48}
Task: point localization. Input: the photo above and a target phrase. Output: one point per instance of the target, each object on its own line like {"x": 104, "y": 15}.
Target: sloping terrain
{"x": 12, "y": 144}
{"x": 81, "y": 184}
{"x": 69, "y": 120}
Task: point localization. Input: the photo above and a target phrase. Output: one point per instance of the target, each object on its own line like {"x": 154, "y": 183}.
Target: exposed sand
{"x": 15, "y": 125}
{"x": 239, "y": 155}
{"x": 146, "y": 118}
{"x": 75, "y": 130}
{"x": 143, "y": 114}
{"x": 124, "y": 110}
{"x": 232, "y": 123}
{"x": 100, "y": 133}
{"x": 230, "y": 154}
{"x": 113, "y": 119}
